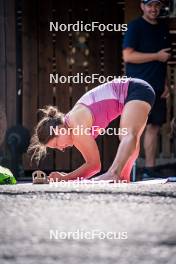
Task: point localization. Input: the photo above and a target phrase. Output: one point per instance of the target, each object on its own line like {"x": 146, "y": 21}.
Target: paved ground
{"x": 144, "y": 214}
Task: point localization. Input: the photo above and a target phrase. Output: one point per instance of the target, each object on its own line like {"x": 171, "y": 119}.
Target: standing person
{"x": 132, "y": 100}
{"x": 146, "y": 50}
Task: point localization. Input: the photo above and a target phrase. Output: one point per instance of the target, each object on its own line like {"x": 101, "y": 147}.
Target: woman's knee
{"x": 132, "y": 137}
{"x": 132, "y": 133}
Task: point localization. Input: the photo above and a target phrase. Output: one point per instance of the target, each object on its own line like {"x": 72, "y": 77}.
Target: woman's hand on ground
{"x": 56, "y": 176}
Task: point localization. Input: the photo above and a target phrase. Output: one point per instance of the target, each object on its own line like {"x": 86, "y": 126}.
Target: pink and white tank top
{"x": 105, "y": 102}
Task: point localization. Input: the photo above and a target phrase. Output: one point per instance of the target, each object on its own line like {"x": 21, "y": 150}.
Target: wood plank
{"x": 62, "y": 95}
{"x": 30, "y": 70}
{"x": 132, "y": 10}
{"x": 172, "y": 23}
{"x": 78, "y": 89}
{"x": 10, "y": 29}
{"x": 2, "y": 74}
{"x": 2, "y": 55}
{"x": 165, "y": 133}
{"x": 45, "y": 92}
{"x": 112, "y": 67}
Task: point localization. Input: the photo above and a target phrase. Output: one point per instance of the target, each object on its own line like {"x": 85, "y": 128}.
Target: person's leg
{"x": 140, "y": 99}
{"x": 173, "y": 127}
{"x": 150, "y": 144}
{"x": 156, "y": 118}
{"x": 134, "y": 118}
{"x": 126, "y": 172}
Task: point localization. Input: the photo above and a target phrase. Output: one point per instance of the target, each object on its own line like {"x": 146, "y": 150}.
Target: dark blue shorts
{"x": 140, "y": 90}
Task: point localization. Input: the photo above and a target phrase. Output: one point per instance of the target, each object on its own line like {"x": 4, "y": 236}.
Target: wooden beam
{"x": 132, "y": 10}
{"x": 10, "y": 38}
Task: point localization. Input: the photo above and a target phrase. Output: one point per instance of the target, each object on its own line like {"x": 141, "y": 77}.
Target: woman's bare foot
{"x": 104, "y": 177}
{"x": 109, "y": 176}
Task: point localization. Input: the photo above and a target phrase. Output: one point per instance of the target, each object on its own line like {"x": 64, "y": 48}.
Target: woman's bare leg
{"x": 134, "y": 118}
{"x": 126, "y": 172}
